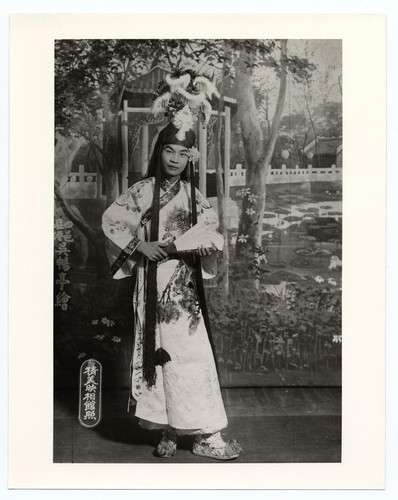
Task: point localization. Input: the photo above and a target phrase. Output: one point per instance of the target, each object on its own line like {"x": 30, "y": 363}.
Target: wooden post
{"x": 98, "y": 192}
{"x": 144, "y": 149}
{"x": 203, "y": 158}
{"x": 125, "y": 147}
{"x": 227, "y": 151}
{"x": 81, "y": 178}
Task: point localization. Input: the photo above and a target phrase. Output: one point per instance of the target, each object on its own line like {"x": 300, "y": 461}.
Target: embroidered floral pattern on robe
{"x": 187, "y": 394}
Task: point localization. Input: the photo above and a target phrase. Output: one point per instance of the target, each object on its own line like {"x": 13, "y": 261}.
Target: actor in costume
{"x": 174, "y": 381}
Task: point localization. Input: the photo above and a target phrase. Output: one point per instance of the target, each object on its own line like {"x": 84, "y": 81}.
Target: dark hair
{"x": 167, "y": 136}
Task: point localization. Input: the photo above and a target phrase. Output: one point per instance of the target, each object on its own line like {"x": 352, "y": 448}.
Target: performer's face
{"x": 174, "y": 160}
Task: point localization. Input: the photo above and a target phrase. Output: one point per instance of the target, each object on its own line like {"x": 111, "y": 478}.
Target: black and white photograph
{"x": 197, "y": 250}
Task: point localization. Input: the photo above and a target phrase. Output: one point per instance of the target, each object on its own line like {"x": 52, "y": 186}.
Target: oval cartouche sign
{"x": 90, "y": 392}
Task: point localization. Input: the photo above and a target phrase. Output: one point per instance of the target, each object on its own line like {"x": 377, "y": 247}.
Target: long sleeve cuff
{"x": 125, "y": 254}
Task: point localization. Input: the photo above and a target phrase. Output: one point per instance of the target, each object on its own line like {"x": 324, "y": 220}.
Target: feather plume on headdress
{"x": 184, "y": 98}
{"x": 179, "y": 82}
{"x": 160, "y": 103}
{"x": 206, "y": 86}
{"x": 192, "y": 99}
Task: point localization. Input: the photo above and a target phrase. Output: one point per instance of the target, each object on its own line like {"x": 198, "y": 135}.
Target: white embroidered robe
{"x": 187, "y": 394}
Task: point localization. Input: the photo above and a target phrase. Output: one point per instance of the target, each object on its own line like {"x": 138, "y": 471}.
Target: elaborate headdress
{"x": 183, "y": 98}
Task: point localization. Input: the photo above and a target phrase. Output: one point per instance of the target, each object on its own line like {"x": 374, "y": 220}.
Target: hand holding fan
{"x": 195, "y": 237}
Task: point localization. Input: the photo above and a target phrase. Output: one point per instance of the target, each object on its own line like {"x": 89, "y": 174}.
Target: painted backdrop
{"x": 275, "y": 307}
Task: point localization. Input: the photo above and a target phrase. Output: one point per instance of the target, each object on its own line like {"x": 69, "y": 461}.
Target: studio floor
{"x": 272, "y": 425}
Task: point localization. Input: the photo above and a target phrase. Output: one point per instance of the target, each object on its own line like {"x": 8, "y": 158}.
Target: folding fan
{"x": 195, "y": 237}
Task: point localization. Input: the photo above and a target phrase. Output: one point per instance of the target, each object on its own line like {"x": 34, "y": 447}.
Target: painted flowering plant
{"x": 278, "y": 328}
{"x": 96, "y": 325}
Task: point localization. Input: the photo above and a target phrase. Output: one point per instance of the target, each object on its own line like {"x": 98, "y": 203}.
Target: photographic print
{"x": 178, "y": 297}
{"x": 198, "y": 250}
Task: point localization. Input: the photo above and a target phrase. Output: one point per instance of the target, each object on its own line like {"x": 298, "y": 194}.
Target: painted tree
{"x": 320, "y": 91}
{"x": 322, "y": 86}
{"x": 90, "y": 79}
{"x": 259, "y": 149}
{"x": 258, "y": 152}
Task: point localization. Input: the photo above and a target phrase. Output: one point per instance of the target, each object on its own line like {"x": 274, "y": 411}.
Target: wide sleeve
{"x": 208, "y": 216}
{"x": 121, "y": 225}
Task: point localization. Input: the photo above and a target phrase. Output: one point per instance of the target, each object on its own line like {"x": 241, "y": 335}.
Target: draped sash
{"x": 170, "y": 191}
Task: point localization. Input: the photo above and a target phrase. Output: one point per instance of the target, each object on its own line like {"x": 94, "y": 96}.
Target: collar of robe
{"x": 165, "y": 185}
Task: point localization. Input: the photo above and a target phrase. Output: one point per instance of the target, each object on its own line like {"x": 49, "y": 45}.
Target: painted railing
{"x": 84, "y": 185}
{"x": 286, "y": 175}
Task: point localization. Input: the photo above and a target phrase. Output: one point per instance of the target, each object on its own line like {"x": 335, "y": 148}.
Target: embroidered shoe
{"x": 214, "y": 446}
{"x": 168, "y": 444}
